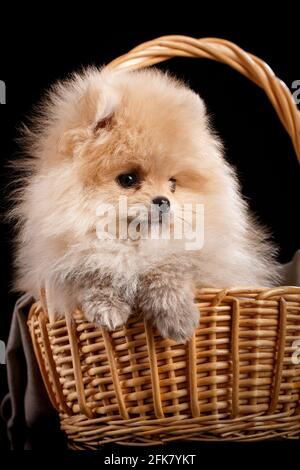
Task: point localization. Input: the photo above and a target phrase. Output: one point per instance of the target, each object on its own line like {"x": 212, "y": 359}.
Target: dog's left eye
{"x": 128, "y": 180}
{"x": 172, "y": 184}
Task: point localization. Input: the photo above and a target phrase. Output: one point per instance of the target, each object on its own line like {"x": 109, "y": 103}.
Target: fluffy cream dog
{"x": 145, "y": 137}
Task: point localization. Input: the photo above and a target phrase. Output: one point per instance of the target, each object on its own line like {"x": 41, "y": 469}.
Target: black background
{"x": 34, "y": 56}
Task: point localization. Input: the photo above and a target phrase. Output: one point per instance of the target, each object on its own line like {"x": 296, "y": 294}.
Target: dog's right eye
{"x": 128, "y": 180}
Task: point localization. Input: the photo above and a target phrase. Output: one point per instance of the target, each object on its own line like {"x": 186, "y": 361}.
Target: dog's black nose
{"x": 162, "y": 202}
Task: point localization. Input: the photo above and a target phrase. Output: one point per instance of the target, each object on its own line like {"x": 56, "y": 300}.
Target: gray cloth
{"x": 31, "y": 421}
{"x": 292, "y": 271}
{"x": 30, "y": 418}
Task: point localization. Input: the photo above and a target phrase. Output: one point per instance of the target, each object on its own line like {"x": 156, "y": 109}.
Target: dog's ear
{"x": 104, "y": 123}
{"x": 92, "y": 117}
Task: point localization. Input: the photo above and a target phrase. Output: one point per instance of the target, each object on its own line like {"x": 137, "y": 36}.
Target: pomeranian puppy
{"x": 143, "y": 138}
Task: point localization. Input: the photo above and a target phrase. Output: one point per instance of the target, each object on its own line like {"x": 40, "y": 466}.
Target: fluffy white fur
{"x": 90, "y": 129}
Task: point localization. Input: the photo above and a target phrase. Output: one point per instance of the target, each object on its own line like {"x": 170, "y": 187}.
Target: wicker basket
{"x": 237, "y": 378}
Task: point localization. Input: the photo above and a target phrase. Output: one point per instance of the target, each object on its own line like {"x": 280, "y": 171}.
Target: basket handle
{"x": 166, "y": 47}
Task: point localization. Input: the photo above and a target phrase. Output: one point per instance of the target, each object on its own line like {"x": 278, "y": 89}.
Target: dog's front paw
{"x": 112, "y": 313}
{"x": 173, "y": 313}
{"x": 179, "y": 323}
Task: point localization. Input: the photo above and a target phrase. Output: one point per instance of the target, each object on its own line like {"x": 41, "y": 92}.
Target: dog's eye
{"x": 128, "y": 180}
{"x": 172, "y": 184}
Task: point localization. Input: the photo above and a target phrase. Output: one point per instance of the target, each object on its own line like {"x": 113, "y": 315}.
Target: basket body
{"x": 237, "y": 379}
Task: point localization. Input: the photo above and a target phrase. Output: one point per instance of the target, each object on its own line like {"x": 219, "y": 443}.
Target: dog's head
{"x": 140, "y": 138}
